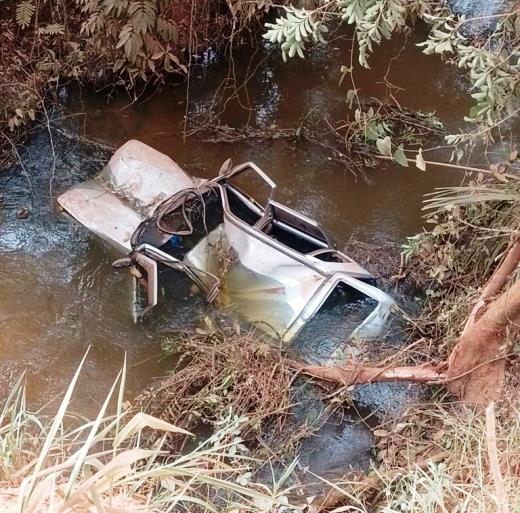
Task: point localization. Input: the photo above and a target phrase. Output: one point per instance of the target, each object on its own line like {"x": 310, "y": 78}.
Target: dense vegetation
{"x": 135, "y": 44}
{"x": 490, "y": 58}
{"x": 110, "y": 43}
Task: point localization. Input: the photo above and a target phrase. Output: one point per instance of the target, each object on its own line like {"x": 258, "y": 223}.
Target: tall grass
{"x": 434, "y": 459}
{"x": 61, "y": 463}
{"x": 440, "y": 462}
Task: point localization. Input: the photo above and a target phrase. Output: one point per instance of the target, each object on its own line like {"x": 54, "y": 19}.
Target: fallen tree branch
{"x": 356, "y": 374}
{"x": 428, "y": 373}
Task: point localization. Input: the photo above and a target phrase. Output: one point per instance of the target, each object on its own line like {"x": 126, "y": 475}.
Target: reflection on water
{"x": 59, "y": 294}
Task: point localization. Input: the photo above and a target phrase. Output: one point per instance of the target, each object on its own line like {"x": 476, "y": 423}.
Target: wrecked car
{"x": 272, "y": 265}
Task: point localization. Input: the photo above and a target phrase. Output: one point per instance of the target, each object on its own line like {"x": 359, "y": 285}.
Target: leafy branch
{"x": 492, "y": 65}
{"x": 294, "y": 29}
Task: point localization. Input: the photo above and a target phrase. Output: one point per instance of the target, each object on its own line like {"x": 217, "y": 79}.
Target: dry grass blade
{"x": 26, "y": 500}
{"x": 142, "y": 420}
{"x": 115, "y": 470}
{"x": 82, "y": 453}
{"x": 469, "y": 195}
{"x": 501, "y": 498}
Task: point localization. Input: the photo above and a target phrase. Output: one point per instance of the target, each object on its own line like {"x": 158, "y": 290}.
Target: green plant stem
{"x": 469, "y": 169}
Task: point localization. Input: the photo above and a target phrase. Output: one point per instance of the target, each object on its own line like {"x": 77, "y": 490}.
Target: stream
{"x": 59, "y": 293}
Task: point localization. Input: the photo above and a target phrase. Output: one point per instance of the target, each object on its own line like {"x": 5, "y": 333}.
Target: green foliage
{"x": 419, "y": 160}
{"x": 493, "y": 64}
{"x": 470, "y": 228}
{"x": 244, "y": 11}
{"x": 24, "y": 13}
{"x": 52, "y": 29}
{"x": 374, "y": 20}
{"x": 493, "y": 67}
{"x": 139, "y": 37}
{"x": 390, "y": 128}
{"x": 400, "y": 157}
{"x": 292, "y": 31}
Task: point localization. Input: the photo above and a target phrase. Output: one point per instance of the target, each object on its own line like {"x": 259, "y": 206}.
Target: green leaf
{"x": 344, "y": 70}
{"x": 419, "y": 160}
{"x": 384, "y": 145}
{"x": 400, "y": 157}
{"x": 371, "y": 132}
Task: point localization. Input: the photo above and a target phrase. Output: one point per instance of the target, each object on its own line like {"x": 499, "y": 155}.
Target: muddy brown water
{"x": 59, "y": 294}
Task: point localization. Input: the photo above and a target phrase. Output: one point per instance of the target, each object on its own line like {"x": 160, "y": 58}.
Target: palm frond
{"x": 448, "y": 197}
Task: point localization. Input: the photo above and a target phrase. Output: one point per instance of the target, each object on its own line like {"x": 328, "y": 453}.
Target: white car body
{"x": 279, "y": 268}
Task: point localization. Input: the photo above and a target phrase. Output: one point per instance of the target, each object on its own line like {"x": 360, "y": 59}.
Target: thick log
{"x": 496, "y": 283}
{"x": 476, "y": 357}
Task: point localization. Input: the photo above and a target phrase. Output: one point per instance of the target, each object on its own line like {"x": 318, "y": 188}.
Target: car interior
{"x": 184, "y": 219}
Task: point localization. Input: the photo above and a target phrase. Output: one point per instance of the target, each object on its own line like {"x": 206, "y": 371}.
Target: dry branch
{"x": 356, "y": 374}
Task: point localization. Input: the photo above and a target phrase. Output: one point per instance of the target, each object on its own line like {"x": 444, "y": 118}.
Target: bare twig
{"x": 20, "y": 161}
{"x": 469, "y": 169}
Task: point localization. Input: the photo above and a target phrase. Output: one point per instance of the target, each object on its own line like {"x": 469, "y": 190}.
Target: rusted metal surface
{"x": 273, "y": 265}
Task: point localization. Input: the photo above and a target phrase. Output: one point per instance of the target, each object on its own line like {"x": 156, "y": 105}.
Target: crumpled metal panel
{"x": 297, "y": 282}
{"x": 136, "y": 179}
{"x": 103, "y": 213}
{"x": 260, "y": 283}
{"x": 274, "y": 290}
{"x": 144, "y": 177}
